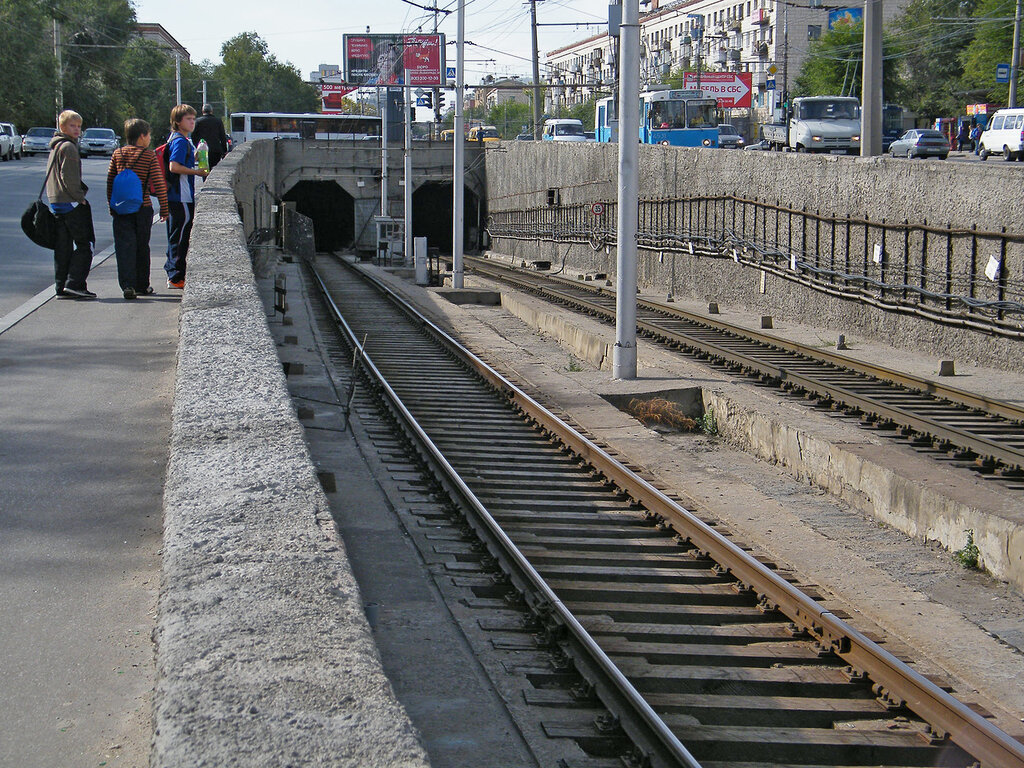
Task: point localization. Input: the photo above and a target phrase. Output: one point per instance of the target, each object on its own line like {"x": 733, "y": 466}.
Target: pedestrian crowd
{"x": 136, "y": 172}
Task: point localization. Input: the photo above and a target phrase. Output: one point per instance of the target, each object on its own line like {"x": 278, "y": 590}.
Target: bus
{"x": 249, "y": 126}
{"x": 681, "y": 118}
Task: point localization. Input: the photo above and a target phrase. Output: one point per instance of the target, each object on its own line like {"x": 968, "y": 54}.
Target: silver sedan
{"x": 920, "y": 142}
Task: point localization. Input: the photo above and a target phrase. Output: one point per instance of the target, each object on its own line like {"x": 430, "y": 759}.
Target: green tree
{"x": 992, "y": 44}
{"x": 509, "y": 118}
{"x": 27, "y": 85}
{"x": 932, "y": 36}
{"x": 834, "y": 65}
{"x": 257, "y": 82}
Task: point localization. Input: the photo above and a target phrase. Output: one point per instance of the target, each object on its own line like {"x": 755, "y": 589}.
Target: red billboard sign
{"x": 331, "y": 95}
{"x": 732, "y": 89}
{"x": 394, "y": 59}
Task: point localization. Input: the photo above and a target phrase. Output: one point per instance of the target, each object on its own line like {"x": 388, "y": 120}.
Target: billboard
{"x": 845, "y": 16}
{"x": 732, "y": 89}
{"x": 394, "y": 59}
{"x": 331, "y": 95}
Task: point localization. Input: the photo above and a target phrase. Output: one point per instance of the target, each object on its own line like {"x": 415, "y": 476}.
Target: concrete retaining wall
{"x": 264, "y": 655}
{"x": 958, "y": 194}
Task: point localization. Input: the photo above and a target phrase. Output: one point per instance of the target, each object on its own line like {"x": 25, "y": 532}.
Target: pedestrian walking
{"x": 181, "y": 192}
{"x": 65, "y": 192}
{"x": 210, "y": 129}
{"x": 975, "y": 137}
{"x": 963, "y": 136}
{"x": 134, "y": 172}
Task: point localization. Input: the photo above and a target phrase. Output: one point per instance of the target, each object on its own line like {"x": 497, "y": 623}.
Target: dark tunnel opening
{"x": 432, "y": 216}
{"x": 332, "y": 210}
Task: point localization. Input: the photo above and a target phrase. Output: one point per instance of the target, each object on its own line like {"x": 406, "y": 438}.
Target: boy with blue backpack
{"x": 134, "y": 172}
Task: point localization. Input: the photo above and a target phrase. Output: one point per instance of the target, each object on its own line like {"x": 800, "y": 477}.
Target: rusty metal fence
{"x": 964, "y": 276}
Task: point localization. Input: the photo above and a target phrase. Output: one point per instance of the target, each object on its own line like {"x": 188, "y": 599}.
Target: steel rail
{"x": 893, "y": 678}
{"x": 953, "y": 435}
{"x": 672, "y": 750}
{"x": 936, "y": 389}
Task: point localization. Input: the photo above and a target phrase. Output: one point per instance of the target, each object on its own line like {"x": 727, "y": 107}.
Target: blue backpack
{"x": 126, "y": 192}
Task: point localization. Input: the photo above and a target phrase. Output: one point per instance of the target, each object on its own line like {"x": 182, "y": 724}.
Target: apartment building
{"x": 722, "y": 35}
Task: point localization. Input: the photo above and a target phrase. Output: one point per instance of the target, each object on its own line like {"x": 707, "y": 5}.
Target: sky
{"x": 308, "y": 33}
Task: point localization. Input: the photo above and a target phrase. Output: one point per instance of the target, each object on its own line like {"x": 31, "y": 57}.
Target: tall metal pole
{"x": 205, "y": 100}
{"x": 1015, "y": 58}
{"x": 536, "y": 72}
{"x": 384, "y": 154}
{"x": 177, "y": 78}
{"x": 407, "y": 252}
{"x": 624, "y": 352}
{"x": 785, "y": 55}
{"x": 871, "y": 83}
{"x": 60, "y": 67}
{"x": 458, "y": 170}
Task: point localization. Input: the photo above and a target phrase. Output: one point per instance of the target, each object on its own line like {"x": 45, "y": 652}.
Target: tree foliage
{"x": 991, "y": 44}
{"x": 257, "y": 82}
{"x": 835, "y": 65}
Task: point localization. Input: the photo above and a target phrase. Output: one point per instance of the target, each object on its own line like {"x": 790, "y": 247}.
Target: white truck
{"x": 818, "y": 124}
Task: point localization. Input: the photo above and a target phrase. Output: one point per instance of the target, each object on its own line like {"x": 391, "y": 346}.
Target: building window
{"x": 813, "y": 31}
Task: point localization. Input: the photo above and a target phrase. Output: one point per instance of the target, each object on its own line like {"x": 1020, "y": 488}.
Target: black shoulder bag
{"x": 38, "y": 221}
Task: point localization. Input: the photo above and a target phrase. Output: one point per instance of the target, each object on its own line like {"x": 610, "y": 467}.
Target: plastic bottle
{"x": 203, "y": 156}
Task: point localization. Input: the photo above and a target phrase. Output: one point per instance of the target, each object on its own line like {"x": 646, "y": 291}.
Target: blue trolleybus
{"x": 676, "y": 117}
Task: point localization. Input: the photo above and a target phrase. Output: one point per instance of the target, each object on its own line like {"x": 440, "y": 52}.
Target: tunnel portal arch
{"x": 332, "y": 210}
{"x": 432, "y": 216}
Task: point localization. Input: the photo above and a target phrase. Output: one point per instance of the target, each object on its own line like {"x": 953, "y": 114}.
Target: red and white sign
{"x": 331, "y": 95}
{"x": 732, "y": 89}
{"x": 597, "y": 209}
{"x": 394, "y": 59}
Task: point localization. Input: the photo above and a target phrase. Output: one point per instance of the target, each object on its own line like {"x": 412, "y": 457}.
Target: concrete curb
{"x": 264, "y": 656}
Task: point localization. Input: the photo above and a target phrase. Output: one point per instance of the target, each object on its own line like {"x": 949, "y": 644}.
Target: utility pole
{"x": 205, "y": 101}
{"x": 60, "y": 67}
{"x": 407, "y": 197}
{"x": 177, "y": 78}
{"x": 1015, "y": 58}
{"x": 383, "y": 151}
{"x": 785, "y": 56}
{"x": 536, "y": 71}
{"x": 871, "y": 83}
{"x": 458, "y": 170}
{"x": 624, "y": 351}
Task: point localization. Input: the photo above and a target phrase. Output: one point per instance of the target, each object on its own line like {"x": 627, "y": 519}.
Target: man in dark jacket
{"x": 210, "y": 128}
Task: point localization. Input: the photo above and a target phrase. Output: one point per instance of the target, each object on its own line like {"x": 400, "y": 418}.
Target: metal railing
{"x": 961, "y": 276}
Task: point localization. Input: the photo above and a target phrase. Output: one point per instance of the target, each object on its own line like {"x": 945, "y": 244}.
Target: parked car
{"x": 98, "y": 141}
{"x": 10, "y": 142}
{"x": 1004, "y": 135}
{"x": 920, "y": 142}
{"x": 524, "y": 137}
{"x": 729, "y": 137}
{"x": 762, "y": 145}
{"x": 563, "y": 130}
{"x": 37, "y": 140}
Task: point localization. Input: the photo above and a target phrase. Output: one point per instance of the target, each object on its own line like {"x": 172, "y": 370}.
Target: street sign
{"x": 422, "y": 101}
{"x": 772, "y": 69}
{"x": 732, "y": 89}
{"x": 449, "y": 73}
{"x": 1002, "y": 73}
{"x": 597, "y": 209}
{"x": 769, "y": 83}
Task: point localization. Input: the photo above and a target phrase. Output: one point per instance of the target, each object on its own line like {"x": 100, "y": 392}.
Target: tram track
{"x": 975, "y": 432}
{"x": 702, "y": 654}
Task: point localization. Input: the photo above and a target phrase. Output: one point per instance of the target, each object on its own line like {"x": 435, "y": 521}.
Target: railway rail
{"x": 702, "y": 655}
{"x": 982, "y": 433}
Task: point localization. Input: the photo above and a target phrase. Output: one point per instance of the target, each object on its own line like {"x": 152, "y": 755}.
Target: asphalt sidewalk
{"x": 84, "y": 423}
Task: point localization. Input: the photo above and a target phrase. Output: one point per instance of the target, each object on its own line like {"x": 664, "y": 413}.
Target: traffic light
{"x": 440, "y": 102}
{"x": 428, "y": 99}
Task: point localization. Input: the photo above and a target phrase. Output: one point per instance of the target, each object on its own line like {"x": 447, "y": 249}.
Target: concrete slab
{"x": 86, "y": 415}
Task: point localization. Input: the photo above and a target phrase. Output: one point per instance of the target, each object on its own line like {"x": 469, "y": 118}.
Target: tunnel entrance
{"x": 432, "y": 216}
{"x": 332, "y": 210}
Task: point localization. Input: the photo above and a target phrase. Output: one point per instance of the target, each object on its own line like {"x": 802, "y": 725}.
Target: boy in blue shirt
{"x": 181, "y": 192}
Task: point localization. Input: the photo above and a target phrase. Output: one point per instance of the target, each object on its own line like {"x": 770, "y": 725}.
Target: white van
{"x": 1004, "y": 135}
{"x": 563, "y": 130}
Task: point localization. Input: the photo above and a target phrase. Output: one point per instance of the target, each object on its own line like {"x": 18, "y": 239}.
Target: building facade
{"x": 767, "y": 38}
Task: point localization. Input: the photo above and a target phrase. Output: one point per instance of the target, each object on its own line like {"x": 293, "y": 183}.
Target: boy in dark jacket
{"x": 65, "y": 191}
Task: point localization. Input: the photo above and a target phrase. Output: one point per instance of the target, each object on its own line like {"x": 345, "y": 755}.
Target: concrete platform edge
{"x": 264, "y": 656}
